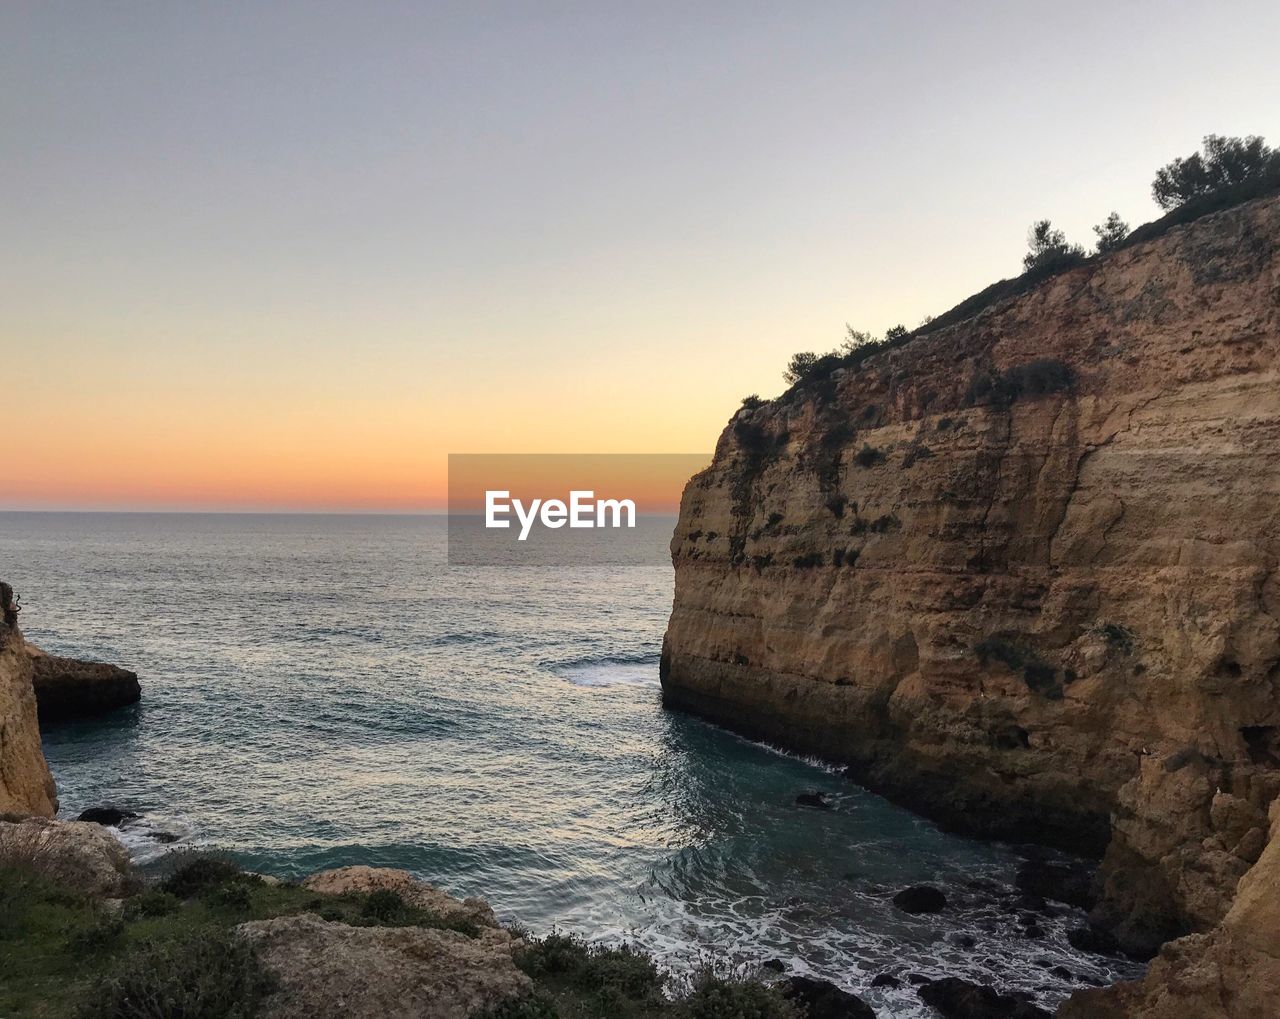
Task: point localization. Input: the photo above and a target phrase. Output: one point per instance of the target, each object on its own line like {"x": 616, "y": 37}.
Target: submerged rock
{"x": 920, "y": 899}
{"x": 332, "y": 969}
{"x": 79, "y": 855}
{"x": 824, "y": 1000}
{"x": 954, "y": 998}
{"x": 1062, "y": 882}
{"x": 68, "y": 688}
{"x": 886, "y": 980}
{"x": 816, "y": 800}
{"x": 342, "y": 880}
{"x": 112, "y": 817}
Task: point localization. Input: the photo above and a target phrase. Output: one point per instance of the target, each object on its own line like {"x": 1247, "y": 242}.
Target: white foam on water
{"x": 611, "y": 674}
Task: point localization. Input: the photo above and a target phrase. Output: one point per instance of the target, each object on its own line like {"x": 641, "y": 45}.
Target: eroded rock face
{"x": 1052, "y": 620}
{"x": 69, "y": 688}
{"x": 342, "y": 880}
{"x": 1231, "y": 973}
{"x": 79, "y": 855}
{"x": 26, "y": 786}
{"x": 331, "y": 969}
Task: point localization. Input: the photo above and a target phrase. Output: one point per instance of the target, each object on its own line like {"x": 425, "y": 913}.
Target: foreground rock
{"x": 920, "y": 899}
{"x": 26, "y": 786}
{"x": 1231, "y": 973}
{"x": 68, "y": 688}
{"x": 363, "y": 880}
{"x": 331, "y": 969}
{"x": 954, "y": 998}
{"x": 79, "y": 855}
{"x": 824, "y": 1000}
{"x": 1019, "y": 573}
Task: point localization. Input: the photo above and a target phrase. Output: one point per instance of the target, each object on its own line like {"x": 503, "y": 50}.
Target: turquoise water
{"x": 324, "y": 690}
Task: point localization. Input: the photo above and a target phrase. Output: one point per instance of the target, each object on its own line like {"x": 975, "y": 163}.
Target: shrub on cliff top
{"x": 1049, "y": 251}
{"x": 209, "y": 973}
{"x": 195, "y": 873}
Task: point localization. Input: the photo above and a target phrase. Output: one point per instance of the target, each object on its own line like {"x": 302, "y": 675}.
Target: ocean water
{"x": 325, "y": 690}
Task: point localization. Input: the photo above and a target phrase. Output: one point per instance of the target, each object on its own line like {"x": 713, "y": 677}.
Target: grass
{"x": 66, "y": 956}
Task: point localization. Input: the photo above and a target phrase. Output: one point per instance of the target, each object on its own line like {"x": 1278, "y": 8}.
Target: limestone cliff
{"x": 26, "y": 787}
{"x": 1021, "y": 572}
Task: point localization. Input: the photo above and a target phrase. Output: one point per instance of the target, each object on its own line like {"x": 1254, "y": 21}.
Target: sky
{"x": 291, "y": 256}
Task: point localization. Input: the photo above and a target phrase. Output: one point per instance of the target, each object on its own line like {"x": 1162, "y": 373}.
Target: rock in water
{"x": 954, "y": 998}
{"x": 816, "y": 800}
{"x": 26, "y": 786}
{"x": 331, "y": 969}
{"x": 920, "y": 899}
{"x": 79, "y": 855}
{"x": 112, "y": 817}
{"x": 417, "y": 893}
{"x": 823, "y": 1000}
{"x": 1061, "y": 882}
{"x": 68, "y": 688}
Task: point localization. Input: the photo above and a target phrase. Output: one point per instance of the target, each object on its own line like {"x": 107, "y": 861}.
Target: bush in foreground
{"x": 205, "y": 974}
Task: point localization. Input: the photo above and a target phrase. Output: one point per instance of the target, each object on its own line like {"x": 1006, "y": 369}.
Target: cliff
{"x": 1020, "y": 573}
{"x": 26, "y": 787}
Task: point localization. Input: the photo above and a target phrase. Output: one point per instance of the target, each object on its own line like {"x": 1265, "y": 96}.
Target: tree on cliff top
{"x": 1049, "y": 250}
{"x": 1223, "y": 163}
{"x": 1111, "y": 232}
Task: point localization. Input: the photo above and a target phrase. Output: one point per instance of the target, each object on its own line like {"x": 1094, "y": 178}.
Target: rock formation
{"x": 68, "y": 688}
{"x": 26, "y": 787}
{"x": 1020, "y": 573}
{"x": 333, "y": 969}
{"x": 1231, "y": 973}
{"x": 344, "y": 880}
{"x": 80, "y": 856}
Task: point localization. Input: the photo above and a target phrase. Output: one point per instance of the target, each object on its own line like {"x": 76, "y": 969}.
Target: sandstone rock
{"x": 1061, "y": 882}
{"x": 68, "y": 688}
{"x": 80, "y": 855}
{"x": 1062, "y": 626}
{"x": 26, "y": 786}
{"x": 331, "y": 969}
{"x": 1233, "y": 972}
{"x": 824, "y": 1000}
{"x": 342, "y": 880}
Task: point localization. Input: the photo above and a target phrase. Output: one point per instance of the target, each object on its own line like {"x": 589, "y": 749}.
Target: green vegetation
{"x": 1040, "y": 377}
{"x": 574, "y": 980}
{"x": 1224, "y": 165}
{"x": 1049, "y": 251}
{"x": 1111, "y": 232}
{"x": 169, "y": 952}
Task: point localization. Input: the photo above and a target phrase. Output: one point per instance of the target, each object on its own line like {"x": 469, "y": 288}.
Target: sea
{"x": 324, "y": 690}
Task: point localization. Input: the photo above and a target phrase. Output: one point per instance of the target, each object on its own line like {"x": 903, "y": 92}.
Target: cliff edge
{"x": 1021, "y": 573}
{"x": 26, "y": 786}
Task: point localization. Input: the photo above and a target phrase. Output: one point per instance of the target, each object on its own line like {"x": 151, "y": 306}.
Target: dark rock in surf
{"x": 1071, "y": 883}
{"x": 920, "y": 899}
{"x": 1089, "y": 938}
{"x": 112, "y": 817}
{"x": 954, "y": 998}
{"x": 818, "y": 801}
{"x": 823, "y": 1000}
{"x": 774, "y": 965}
{"x": 886, "y": 980}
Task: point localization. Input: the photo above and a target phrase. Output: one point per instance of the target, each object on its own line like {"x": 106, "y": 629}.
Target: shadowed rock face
{"x": 67, "y": 688}
{"x": 26, "y": 787}
{"x": 1052, "y": 620}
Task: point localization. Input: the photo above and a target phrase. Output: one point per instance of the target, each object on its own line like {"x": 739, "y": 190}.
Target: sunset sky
{"x": 290, "y": 256}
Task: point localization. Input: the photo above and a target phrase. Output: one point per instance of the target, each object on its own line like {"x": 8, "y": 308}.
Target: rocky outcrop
{"x": 1021, "y": 573}
{"x": 26, "y": 787}
{"x": 68, "y": 688}
{"x": 363, "y": 880}
{"x": 1231, "y": 973}
{"x": 331, "y": 969}
{"x": 78, "y": 855}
